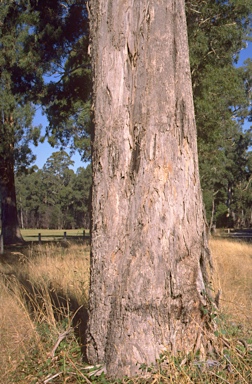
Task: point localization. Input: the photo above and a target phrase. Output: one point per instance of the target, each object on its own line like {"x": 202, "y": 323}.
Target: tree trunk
{"x": 9, "y": 216}
{"x": 149, "y": 255}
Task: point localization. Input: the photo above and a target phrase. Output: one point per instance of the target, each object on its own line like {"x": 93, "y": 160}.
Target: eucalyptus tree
{"x": 31, "y": 204}
{"x": 54, "y": 196}
{"x": 150, "y": 256}
{"x": 239, "y": 180}
{"x": 57, "y": 179}
{"x": 81, "y": 202}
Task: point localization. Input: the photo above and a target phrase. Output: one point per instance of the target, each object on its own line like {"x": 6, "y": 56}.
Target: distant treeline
{"x": 54, "y": 197}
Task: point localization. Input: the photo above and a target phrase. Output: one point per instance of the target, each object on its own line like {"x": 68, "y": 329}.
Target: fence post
{"x": 65, "y": 235}
{"x": 84, "y": 233}
{"x": 1, "y": 245}
{"x": 39, "y": 238}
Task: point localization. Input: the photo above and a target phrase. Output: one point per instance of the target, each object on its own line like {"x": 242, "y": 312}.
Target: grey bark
{"x": 149, "y": 254}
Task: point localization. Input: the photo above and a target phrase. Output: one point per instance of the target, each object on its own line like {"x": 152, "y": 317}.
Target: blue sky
{"x": 245, "y": 53}
{"x": 44, "y": 151}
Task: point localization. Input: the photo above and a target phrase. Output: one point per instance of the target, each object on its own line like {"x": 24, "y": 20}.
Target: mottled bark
{"x": 149, "y": 250}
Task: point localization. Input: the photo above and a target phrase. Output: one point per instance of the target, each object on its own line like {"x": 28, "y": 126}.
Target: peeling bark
{"x": 150, "y": 256}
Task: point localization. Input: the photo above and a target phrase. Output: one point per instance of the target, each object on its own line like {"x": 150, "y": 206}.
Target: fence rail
{"x": 65, "y": 237}
{"x": 40, "y": 237}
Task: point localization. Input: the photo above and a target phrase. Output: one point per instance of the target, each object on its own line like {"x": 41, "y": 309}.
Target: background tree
{"x": 81, "y": 197}
{"x": 217, "y": 32}
{"x": 149, "y": 251}
{"x": 51, "y": 38}
{"x": 37, "y": 38}
{"x": 56, "y": 179}
{"x": 54, "y": 196}
{"x": 29, "y": 187}
{"x": 67, "y": 102}
{"x": 16, "y": 112}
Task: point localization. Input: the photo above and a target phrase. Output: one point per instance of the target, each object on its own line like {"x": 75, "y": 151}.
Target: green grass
{"x": 52, "y": 234}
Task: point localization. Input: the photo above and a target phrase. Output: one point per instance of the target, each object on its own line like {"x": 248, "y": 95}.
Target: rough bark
{"x": 149, "y": 255}
{"x": 9, "y": 217}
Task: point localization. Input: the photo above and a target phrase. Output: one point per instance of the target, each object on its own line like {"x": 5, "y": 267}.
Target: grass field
{"x": 52, "y": 234}
{"x": 44, "y": 294}
{"x": 233, "y": 267}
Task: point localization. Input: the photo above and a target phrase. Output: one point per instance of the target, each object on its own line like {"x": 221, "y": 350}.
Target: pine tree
{"x": 37, "y": 39}
{"x": 16, "y": 111}
{"x": 217, "y": 32}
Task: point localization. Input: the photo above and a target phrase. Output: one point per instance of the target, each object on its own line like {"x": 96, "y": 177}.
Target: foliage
{"x": 17, "y": 76}
{"x": 66, "y": 95}
{"x": 217, "y": 32}
{"x": 54, "y": 196}
{"x": 67, "y": 103}
{"x": 40, "y": 39}
{"x": 44, "y": 59}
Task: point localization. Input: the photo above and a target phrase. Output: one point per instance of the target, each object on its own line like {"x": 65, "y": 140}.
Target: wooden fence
{"x": 65, "y": 237}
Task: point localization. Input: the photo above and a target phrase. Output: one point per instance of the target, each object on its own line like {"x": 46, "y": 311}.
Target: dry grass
{"x": 63, "y": 269}
{"x": 42, "y": 286}
{"x": 233, "y": 267}
{"x": 17, "y": 331}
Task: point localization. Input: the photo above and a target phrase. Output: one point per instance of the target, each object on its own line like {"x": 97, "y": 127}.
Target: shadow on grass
{"x": 11, "y": 252}
{"x": 39, "y": 296}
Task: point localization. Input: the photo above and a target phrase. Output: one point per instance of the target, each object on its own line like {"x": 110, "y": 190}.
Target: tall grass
{"x": 44, "y": 292}
{"x": 233, "y": 277}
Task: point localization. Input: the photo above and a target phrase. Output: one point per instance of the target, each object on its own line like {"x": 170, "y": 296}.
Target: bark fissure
{"x": 147, "y": 276}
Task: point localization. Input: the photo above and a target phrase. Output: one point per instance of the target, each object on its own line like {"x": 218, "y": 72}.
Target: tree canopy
{"x": 39, "y": 39}
{"x": 44, "y": 61}
{"x": 217, "y": 31}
